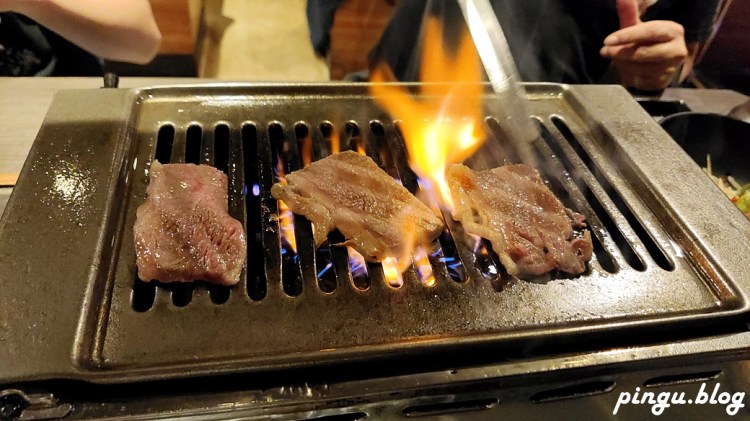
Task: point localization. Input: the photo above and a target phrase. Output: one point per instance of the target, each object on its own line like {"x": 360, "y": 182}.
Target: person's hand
{"x": 646, "y": 54}
{"x": 6, "y": 6}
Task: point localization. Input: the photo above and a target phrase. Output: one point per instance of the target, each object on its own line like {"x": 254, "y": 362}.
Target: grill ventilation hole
{"x": 354, "y": 137}
{"x": 380, "y": 145}
{"x": 446, "y": 252}
{"x": 144, "y": 293}
{"x": 164, "y": 143}
{"x": 219, "y": 294}
{"x": 343, "y": 260}
{"x": 451, "y": 259}
{"x": 212, "y": 148}
{"x": 221, "y": 148}
{"x": 286, "y": 161}
{"x": 445, "y": 408}
{"x": 605, "y": 259}
{"x": 182, "y": 293}
{"x": 193, "y": 144}
{"x": 502, "y": 142}
{"x": 574, "y": 392}
{"x": 256, "y": 277}
{"x": 629, "y": 254}
{"x": 653, "y": 249}
{"x": 324, "y": 265}
{"x": 332, "y": 141}
{"x": 702, "y": 376}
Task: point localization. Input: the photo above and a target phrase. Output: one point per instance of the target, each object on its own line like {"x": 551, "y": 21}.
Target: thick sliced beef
{"x": 529, "y": 228}
{"x": 183, "y": 231}
{"x": 348, "y": 191}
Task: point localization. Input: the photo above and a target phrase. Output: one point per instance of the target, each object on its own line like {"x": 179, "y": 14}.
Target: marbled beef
{"x": 183, "y": 231}
{"x": 528, "y": 227}
{"x": 348, "y": 191}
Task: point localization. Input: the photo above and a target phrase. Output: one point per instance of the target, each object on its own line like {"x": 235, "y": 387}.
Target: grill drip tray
{"x": 72, "y": 306}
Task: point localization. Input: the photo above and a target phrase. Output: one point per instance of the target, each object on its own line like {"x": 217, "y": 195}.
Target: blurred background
{"x": 270, "y": 41}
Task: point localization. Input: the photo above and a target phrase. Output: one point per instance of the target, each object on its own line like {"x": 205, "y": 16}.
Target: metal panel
{"x": 661, "y": 264}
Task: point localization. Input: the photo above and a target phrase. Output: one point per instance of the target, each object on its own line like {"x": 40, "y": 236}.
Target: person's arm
{"x": 118, "y": 30}
{"x": 647, "y": 55}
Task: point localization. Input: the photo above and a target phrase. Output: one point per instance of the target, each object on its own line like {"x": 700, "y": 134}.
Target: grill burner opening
{"x": 330, "y": 266}
{"x": 197, "y": 147}
{"x": 248, "y": 156}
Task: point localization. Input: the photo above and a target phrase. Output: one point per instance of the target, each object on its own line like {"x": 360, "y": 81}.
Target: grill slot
{"x": 182, "y": 293}
{"x": 193, "y": 144}
{"x": 255, "y": 273}
{"x": 143, "y": 295}
{"x": 164, "y": 143}
{"x": 501, "y": 148}
{"x": 654, "y": 250}
{"x": 355, "y": 142}
{"x": 199, "y": 147}
{"x": 326, "y": 270}
{"x": 222, "y": 148}
{"x": 331, "y": 139}
{"x": 571, "y": 190}
{"x": 446, "y": 258}
{"x": 300, "y": 258}
{"x": 291, "y": 227}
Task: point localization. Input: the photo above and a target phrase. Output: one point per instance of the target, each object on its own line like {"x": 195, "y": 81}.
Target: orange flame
{"x": 286, "y": 224}
{"x": 305, "y": 150}
{"x": 424, "y": 267}
{"x": 392, "y": 272}
{"x": 286, "y": 217}
{"x": 446, "y": 126}
{"x": 335, "y": 142}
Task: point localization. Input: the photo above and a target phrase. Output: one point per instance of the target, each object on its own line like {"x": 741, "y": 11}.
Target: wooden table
{"x": 24, "y": 103}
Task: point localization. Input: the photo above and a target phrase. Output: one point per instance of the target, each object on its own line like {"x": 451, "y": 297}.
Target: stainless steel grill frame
{"x": 66, "y": 234}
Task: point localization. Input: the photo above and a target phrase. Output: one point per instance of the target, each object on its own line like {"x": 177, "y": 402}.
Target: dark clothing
{"x": 320, "y": 14}
{"x": 550, "y": 40}
{"x": 28, "y": 49}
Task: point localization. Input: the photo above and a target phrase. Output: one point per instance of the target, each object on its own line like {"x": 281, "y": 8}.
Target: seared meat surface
{"x": 183, "y": 231}
{"x": 529, "y": 228}
{"x": 350, "y": 192}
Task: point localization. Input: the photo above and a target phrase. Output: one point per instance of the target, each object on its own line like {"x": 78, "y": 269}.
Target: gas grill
{"x": 307, "y": 333}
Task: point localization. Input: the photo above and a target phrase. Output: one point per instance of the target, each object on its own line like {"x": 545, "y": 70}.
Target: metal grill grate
{"x": 661, "y": 266}
{"x": 307, "y": 306}
{"x": 329, "y": 267}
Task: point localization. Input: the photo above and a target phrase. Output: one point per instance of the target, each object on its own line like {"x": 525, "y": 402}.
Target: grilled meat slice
{"x": 350, "y": 192}
{"x": 529, "y": 228}
{"x": 183, "y": 231}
